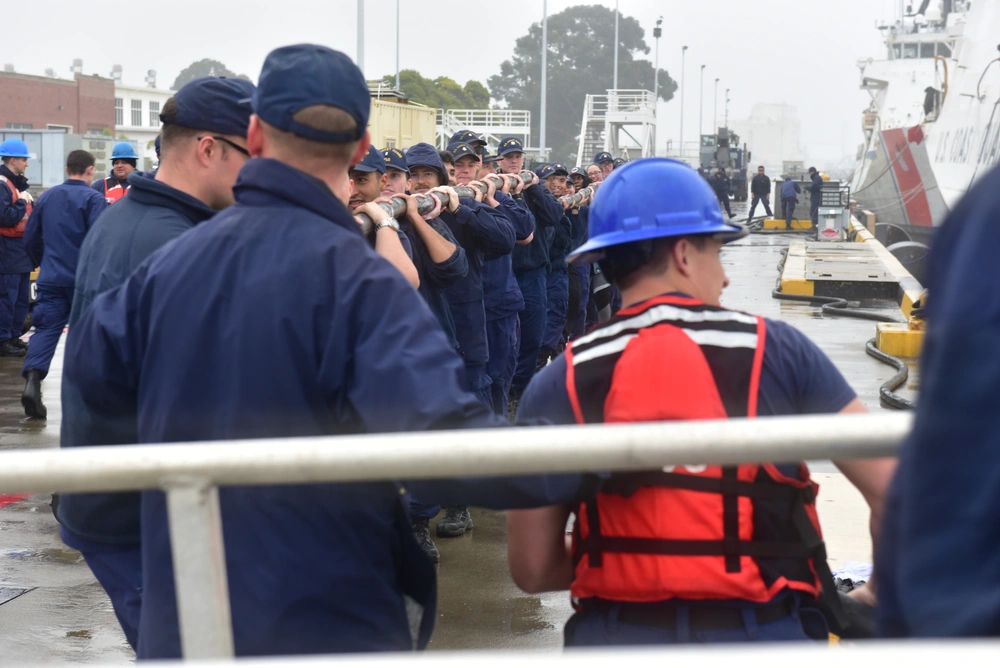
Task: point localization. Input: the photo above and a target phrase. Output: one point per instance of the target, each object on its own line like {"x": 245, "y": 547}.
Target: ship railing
{"x": 191, "y": 473}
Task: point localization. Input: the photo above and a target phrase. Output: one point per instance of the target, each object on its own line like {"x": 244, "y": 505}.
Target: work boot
{"x": 455, "y": 523}
{"x": 9, "y": 349}
{"x": 732, "y": 215}
{"x": 23, "y": 345}
{"x": 31, "y": 398}
{"x": 422, "y": 532}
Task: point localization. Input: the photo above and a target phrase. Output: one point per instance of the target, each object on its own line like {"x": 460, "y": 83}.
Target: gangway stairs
{"x": 612, "y": 119}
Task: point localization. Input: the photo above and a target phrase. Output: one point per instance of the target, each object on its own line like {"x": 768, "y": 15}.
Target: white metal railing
{"x": 190, "y": 474}
{"x": 631, "y": 101}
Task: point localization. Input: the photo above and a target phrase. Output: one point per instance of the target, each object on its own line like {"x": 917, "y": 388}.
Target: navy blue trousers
{"x": 49, "y": 317}
{"x": 579, "y": 322}
{"x": 118, "y": 569}
{"x": 533, "y": 317}
{"x": 557, "y": 301}
{"x": 788, "y": 208}
{"x": 15, "y": 297}
{"x": 504, "y": 336}
{"x": 757, "y": 199}
{"x": 814, "y": 212}
{"x": 602, "y": 628}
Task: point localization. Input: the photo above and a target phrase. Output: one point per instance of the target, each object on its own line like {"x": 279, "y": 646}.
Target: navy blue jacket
{"x": 547, "y": 212}
{"x": 815, "y": 187}
{"x": 720, "y": 184}
{"x": 789, "y": 189}
{"x": 277, "y": 319}
{"x": 13, "y": 256}
{"x": 560, "y": 243}
{"x": 486, "y": 234}
{"x": 938, "y": 560}
{"x": 123, "y": 236}
{"x": 55, "y": 231}
{"x": 435, "y": 277}
{"x": 502, "y": 295}
{"x": 127, "y": 233}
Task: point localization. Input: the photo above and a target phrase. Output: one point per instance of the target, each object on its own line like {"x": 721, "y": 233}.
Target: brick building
{"x": 82, "y": 105}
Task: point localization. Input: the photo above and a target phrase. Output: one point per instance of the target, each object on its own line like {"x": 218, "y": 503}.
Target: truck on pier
{"x": 722, "y": 150}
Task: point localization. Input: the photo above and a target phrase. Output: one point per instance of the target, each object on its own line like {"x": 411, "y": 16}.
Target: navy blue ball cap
{"x": 393, "y": 157}
{"x": 461, "y": 150}
{"x": 486, "y": 156}
{"x": 372, "y": 162}
{"x": 306, "y": 75}
{"x": 215, "y": 104}
{"x": 603, "y": 156}
{"x": 559, "y": 168}
{"x": 425, "y": 155}
{"x": 510, "y": 145}
{"x": 466, "y": 137}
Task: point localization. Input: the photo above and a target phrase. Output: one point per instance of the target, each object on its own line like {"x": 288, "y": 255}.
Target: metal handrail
{"x": 190, "y": 474}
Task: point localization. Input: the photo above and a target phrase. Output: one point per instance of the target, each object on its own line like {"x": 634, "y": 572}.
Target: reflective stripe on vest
{"x": 115, "y": 192}
{"x": 17, "y": 230}
{"x": 701, "y": 532}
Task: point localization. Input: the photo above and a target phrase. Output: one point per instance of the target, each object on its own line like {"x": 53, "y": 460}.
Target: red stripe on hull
{"x": 909, "y": 183}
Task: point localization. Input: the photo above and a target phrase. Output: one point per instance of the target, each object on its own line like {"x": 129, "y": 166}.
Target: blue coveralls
{"x": 53, "y": 236}
{"x": 15, "y": 266}
{"x": 105, "y": 527}
{"x": 435, "y": 277}
{"x": 938, "y": 559}
{"x": 789, "y": 190}
{"x": 485, "y": 234}
{"x": 287, "y": 263}
{"x": 503, "y": 301}
{"x": 814, "y": 195}
{"x": 581, "y": 221}
{"x": 721, "y": 185}
{"x": 557, "y": 286}
{"x": 530, "y": 268}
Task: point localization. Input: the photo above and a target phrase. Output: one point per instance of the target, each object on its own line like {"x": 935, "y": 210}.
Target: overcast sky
{"x": 747, "y": 44}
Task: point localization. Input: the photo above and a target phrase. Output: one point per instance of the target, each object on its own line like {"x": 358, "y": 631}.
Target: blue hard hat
{"x": 123, "y": 150}
{"x": 14, "y": 148}
{"x": 649, "y": 199}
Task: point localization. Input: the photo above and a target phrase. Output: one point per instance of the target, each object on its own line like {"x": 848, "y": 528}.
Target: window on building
{"x": 19, "y": 126}
{"x": 154, "y": 114}
{"x": 911, "y": 51}
{"x": 67, "y": 129}
{"x": 119, "y": 111}
{"x": 390, "y": 143}
{"x": 137, "y": 113}
{"x": 927, "y": 50}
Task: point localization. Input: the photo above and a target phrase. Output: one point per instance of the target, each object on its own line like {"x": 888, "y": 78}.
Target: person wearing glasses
{"x": 203, "y": 148}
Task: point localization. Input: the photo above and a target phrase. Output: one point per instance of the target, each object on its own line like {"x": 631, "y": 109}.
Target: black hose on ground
{"x": 902, "y": 373}
{"x": 837, "y": 306}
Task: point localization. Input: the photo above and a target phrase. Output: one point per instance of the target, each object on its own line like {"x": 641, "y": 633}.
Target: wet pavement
{"x": 52, "y": 610}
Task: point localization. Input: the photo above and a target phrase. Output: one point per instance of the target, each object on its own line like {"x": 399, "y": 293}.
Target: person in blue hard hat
{"x": 937, "y": 559}
{"x": 606, "y": 162}
{"x": 697, "y": 553}
{"x": 204, "y": 147}
{"x": 123, "y": 162}
{"x": 390, "y": 242}
{"x": 554, "y": 176}
{"x": 15, "y": 266}
{"x": 55, "y": 231}
{"x": 274, "y": 319}
{"x": 530, "y": 264}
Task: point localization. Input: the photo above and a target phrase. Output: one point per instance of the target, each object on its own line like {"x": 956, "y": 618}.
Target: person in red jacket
{"x": 696, "y": 553}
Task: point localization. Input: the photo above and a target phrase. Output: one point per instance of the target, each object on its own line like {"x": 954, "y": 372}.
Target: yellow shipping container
{"x": 392, "y": 124}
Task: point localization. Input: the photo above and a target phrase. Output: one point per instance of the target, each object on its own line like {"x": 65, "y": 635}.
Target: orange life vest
{"x": 17, "y": 230}
{"x": 115, "y": 192}
{"x": 744, "y": 532}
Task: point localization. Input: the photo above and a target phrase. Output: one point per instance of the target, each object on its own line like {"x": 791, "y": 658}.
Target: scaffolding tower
{"x": 610, "y": 120}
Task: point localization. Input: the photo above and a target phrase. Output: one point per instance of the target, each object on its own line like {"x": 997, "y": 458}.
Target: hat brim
{"x": 593, "y": 250}
{"x": 503, "y": 152}
{"x": 366, "y": 168}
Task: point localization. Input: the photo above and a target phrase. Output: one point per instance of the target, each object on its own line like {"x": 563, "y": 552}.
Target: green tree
{"x": 443, "y": 92}
{"x": 206, "y": 67}
{"x": 580, "y": 62}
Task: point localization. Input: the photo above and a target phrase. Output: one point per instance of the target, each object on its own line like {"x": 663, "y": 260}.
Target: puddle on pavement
{"x": 57, "y": 555}
{"x": 79, "y": 634}
{"x": 527, "y": 616}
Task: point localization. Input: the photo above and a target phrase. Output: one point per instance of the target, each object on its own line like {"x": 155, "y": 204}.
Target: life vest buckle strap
{"x": 702, "y": 548}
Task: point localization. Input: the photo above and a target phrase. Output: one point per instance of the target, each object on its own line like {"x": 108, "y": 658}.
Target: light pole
{"x": 545, "y": 72}
{"x": 683, "y": 52}
{"x": 614, "y": 80}
{"x": 361, "y": 35}
{"x": 727, "y": 107}
{"x": 657, "y": 33}
{"x": 701, "y": 102}
{"x": 715, "y": 111}
{"x": 397, "y": 44}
